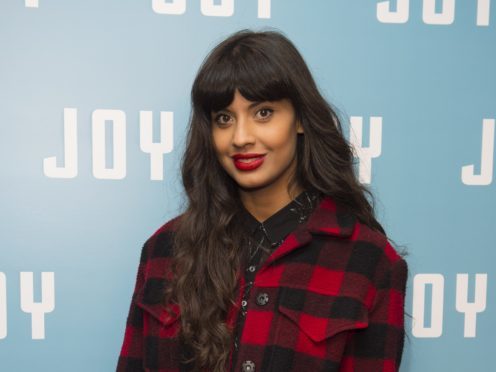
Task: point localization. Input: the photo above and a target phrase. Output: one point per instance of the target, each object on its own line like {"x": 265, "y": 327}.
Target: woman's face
{"x": 255, "y": 142}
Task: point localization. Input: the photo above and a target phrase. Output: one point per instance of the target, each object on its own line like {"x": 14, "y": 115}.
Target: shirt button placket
{"x": 247, "y": 365}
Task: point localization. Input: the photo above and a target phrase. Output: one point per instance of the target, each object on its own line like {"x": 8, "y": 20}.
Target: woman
{"x": 277, "y": 263}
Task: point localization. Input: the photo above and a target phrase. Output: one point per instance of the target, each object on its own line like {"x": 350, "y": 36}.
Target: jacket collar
{"x": 329, "y": 218}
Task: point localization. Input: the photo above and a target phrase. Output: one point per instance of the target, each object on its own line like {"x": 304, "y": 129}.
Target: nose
{"x": 243, "y": 133}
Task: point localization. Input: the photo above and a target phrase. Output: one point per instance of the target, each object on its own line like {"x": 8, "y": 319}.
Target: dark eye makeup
{"x": 223, "y": 115}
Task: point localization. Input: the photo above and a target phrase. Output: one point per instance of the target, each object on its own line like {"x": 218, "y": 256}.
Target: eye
{"x": 221, "y": 119}
{"x": 265, "y": 113}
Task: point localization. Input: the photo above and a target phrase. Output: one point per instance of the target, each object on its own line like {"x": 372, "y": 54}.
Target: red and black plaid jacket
{"x": 330, "y": 298}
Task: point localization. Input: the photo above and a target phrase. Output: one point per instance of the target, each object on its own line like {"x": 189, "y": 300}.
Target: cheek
{"x": 218, "y": 142}
{"x": 285, "y": 143}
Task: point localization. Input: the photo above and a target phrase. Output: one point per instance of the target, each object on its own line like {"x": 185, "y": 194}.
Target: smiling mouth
{"x": 246, "y": 164}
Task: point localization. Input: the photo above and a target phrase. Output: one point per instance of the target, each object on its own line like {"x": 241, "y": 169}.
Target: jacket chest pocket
{"x": 315, "y": 325}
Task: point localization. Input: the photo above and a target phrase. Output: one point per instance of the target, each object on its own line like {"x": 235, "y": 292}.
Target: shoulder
{"x": 375, "y": 257}
{"x": 155, "y": 269}
{"x": 365, "y": 236}
{"x": 333, "y": 220}
{"x": 368, "y": 266}
{"x": 159, "y": 244}
{"x": 168, "y": 227}
{"x": 359, "y": 248}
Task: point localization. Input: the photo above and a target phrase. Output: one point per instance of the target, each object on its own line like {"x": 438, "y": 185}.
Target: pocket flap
{"x": 322, "y": 316}
{"x": 150, "y": 299}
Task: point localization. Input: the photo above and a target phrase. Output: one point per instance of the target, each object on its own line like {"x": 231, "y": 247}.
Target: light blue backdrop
{"x": 431, "y": 79}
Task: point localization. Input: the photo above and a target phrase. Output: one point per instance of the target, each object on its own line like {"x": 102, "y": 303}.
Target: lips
{"x": 246, "y": 162}
{"x": 248, "y": 155}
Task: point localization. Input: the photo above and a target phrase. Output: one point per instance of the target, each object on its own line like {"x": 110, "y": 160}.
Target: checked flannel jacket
{"x": 332, "y": 300}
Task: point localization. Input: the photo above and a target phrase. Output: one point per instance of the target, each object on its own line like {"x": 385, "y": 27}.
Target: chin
{"x": 251, "y": 186}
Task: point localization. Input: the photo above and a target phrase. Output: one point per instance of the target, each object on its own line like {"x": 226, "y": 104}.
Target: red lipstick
{"x": 252, "y": 161}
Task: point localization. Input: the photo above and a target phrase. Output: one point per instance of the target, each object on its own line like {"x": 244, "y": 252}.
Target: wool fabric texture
{"x": 330, "y": 297}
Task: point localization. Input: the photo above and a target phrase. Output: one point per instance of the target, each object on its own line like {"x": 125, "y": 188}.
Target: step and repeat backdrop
{"x": 94, "y": 106}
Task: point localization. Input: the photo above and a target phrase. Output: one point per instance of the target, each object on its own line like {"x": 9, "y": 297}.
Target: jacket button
{"x": 248, "y": 366}
{"x": 262, "y": 299}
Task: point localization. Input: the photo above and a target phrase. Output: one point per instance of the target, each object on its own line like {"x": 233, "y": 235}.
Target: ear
{"x": 299, "y": 127}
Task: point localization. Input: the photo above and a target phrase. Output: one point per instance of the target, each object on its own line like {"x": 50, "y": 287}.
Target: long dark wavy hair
{"x": 207, "y": 245}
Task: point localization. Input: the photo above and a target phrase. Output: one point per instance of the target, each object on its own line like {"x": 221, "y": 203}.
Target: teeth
{"x": 249, "y": 160}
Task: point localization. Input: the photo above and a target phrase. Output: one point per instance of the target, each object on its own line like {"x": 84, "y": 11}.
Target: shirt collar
{"x": 283, "y": 221}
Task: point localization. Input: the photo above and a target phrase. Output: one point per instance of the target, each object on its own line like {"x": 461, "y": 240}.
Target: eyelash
{"x": 271, "y": 111}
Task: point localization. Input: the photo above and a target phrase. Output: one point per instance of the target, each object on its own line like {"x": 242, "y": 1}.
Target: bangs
{"x": 252, "y": 72}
